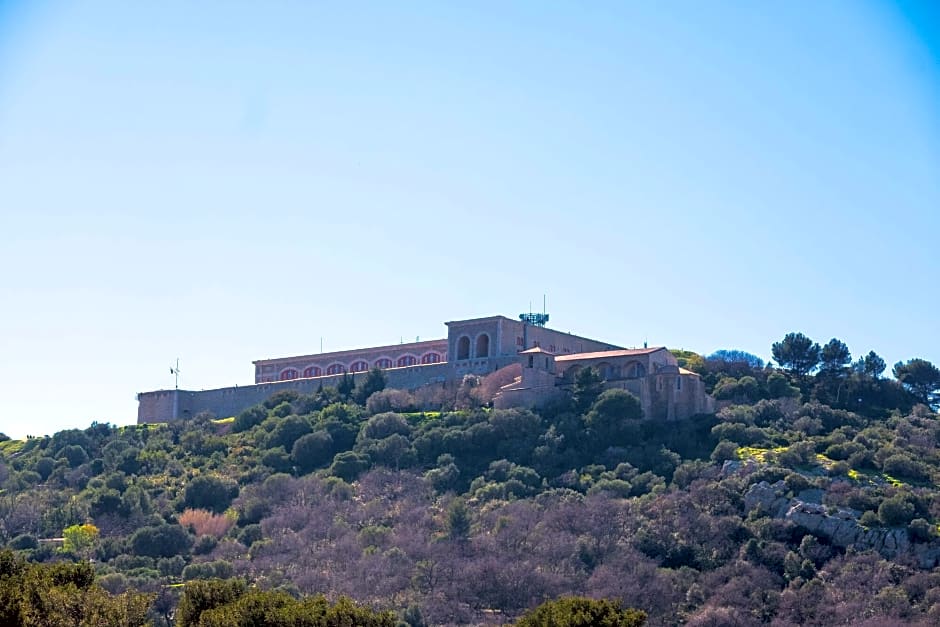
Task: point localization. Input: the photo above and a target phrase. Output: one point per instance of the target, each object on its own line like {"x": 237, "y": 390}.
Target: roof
{"x": 629, "y": 352}
{"x": 684, "y": 371}
{"x": 534, "y": 350}
{"x": 424, "y": 344}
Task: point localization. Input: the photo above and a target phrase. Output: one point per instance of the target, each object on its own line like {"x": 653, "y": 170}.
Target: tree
{"x": 201, "y": 596}
{"x": 587, "y": 387}
{"x": 374, "y": 382}
{"x": 79, "y": 539}
{"x": 612, "y": 413}
{"x": 834, "y": 357}
{"x": 348, "y": 465}
{"x": 249, "y": 418}
{"x": 458, "y": 520}
{"x": 921, "y": 378}
{"x": 288, "y": 431}
{"x": 797, "y": 353}
{"x": 161, "y": 541}
{"x": 733, "y": 356}
{"x": 312, "y": 451}
{"x": 208, "y": 492}
{"x": 871, "y": 365}
{"x": 582, "y": 612}
{"x": 346, "y": 386}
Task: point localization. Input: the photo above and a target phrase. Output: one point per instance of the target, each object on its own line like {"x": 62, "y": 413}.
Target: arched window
{"x": 407, "y": 360}
{"x": 312, "y": 371}
{"x": 359, "y": 366}
{"x": 431, "y": 358}
{"x": 288, "y": 374}
{"x": 635, "y": 370}
{"x": 336, "y": 369}
{"x": 463, "y": 348}
{"x": 384, "y": 362}
{"x": 483, "y": 346}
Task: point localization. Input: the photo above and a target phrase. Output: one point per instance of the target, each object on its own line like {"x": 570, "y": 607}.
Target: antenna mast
{"x": 176, "y": 371}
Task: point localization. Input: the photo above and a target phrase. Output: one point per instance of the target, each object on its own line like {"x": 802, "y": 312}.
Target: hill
{"x": 809, "y": 498}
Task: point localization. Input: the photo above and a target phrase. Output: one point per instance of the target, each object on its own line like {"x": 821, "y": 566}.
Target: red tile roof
{"x": 629, "y": 352}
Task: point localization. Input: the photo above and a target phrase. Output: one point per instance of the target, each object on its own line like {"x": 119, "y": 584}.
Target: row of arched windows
{"x": 360, "y": 366}
{"x": 482, "y": 347}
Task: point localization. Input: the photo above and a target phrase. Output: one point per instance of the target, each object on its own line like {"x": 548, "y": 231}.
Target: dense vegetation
{"x": 809, "y": 498}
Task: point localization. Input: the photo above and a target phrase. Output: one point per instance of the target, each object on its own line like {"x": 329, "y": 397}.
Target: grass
{"x": 224, "y": 421}
{"x": 12, "y": 447}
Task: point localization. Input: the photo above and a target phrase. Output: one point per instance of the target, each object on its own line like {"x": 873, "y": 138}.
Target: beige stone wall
{"x": 270, "y": 370}
{"x": 158, "y": 406}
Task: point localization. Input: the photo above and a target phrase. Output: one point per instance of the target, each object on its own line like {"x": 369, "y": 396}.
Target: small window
{"x": 531, "y": 360}
{"x": 312, "y": 371}
{"x": 679, "y": 382}
{"x": 336, "y": 369}
{"x": 359, "y": 366}
{"x": 290, "y": 373}
{"x": 407, "y": 360}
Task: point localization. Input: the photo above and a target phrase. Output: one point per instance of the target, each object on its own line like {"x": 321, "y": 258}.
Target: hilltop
{"x": 810, "y": 497}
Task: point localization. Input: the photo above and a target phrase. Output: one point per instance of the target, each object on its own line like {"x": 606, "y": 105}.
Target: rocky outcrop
{"x": 839, "y": 526}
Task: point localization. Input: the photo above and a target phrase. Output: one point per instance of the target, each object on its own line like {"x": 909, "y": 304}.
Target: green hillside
{"x": 809, "y": 498}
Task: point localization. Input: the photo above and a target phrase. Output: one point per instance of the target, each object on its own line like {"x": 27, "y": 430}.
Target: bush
{"x": 74, "y": 454}
{"x": 211, "y": 493}
{"x": 161, "y": 541}
{"x": 203, "y": 522}
{"x": 288, "y": 431}
{"x": 250, "y": 534}
{"x": 24, "y": 542}
{"x": 724, "y": 451}
{"x": 200, "y": 596}
{"x": 348, "y": 465}
{"x": 895, "y": 511}
{"x": 582, "y": 612}
{"x": 312, "y": 451}
{"x": 251, "y": 417}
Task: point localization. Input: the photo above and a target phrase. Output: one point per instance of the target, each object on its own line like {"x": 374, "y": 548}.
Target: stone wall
{"x": 224, "y": 402}
{"x": 269, "y": 370}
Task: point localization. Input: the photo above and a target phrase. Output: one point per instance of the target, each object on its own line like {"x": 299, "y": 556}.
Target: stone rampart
{"x": 167, "y": 405}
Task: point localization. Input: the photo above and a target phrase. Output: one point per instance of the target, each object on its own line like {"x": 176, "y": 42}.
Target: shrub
{"x": 203, "y": 522}
{"x": 312, "y": 451}
{"x": 895, "y": 511}
{"x": 348, "y": 465}
{"x": 161, "y": 541}
{"x": 208, "y": 492}
{"x": 24, "y": 542}
{"x": 288, "y": 431}
{"x": 249, "y": 418}
{"x": 582, "y": 612}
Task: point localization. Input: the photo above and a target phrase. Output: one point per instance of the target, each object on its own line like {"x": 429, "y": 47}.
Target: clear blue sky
{"x": 227, "y": 181}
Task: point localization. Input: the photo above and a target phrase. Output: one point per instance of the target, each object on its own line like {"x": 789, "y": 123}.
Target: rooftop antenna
{"x": 535, "y": 319}
{"x": 321, "y": 344}
{"x": 176, "y": 371}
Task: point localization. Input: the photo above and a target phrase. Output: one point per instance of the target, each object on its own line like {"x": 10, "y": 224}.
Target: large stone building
{"x": 477, "y": 346}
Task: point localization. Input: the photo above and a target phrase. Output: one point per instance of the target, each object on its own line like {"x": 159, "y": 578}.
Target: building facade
{"x": 653, "y": 375}
{"x": 477, "y": 346}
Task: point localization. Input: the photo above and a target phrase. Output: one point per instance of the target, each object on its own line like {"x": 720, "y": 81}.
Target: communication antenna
{"x": 535, "y": 319}
{"x": 176, "y": 371}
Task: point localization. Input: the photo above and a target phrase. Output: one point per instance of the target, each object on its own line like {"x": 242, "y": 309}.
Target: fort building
{"x": 479, "y": 346}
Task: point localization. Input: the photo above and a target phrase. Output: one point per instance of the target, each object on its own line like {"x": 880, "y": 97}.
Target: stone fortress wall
{"x": 167, "y": 405}
{"x": 356, "y": 360}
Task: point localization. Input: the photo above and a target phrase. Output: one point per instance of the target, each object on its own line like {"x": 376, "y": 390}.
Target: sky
{"x": 227, "y": 181}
